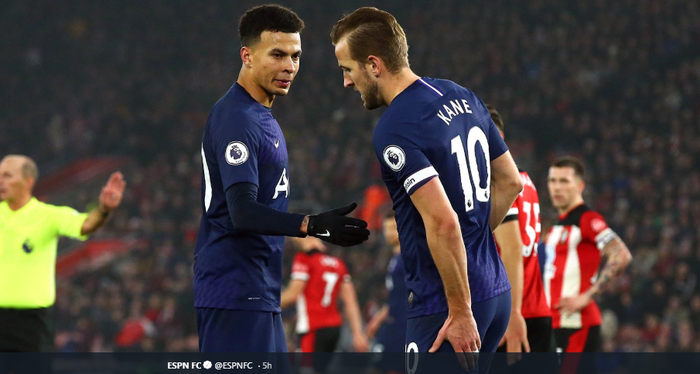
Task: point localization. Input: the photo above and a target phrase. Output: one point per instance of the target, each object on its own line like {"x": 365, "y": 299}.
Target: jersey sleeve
{"x": 300, "y": 267}
{"x": 497, "y": 146}
{"x": 514, "y": 210}
{"x": 69, "y": 222}
{"x": 401, "y": 155}
{"x": 235, "y": 139}
{"x": 595, "y": 229}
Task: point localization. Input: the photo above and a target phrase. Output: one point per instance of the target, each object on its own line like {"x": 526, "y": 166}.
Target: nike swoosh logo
{"x": 277, "y": 143}
{"x": 326, "y": 234}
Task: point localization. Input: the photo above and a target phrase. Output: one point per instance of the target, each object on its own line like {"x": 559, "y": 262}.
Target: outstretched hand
{"x": 334, "y": 227}
{"x": 112, "y": 192}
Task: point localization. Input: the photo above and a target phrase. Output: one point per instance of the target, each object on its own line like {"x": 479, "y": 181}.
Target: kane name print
{"x": 458, "y": 106}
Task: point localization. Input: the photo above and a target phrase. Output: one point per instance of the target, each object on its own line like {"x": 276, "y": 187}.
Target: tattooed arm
{"x": 618, "y": 257}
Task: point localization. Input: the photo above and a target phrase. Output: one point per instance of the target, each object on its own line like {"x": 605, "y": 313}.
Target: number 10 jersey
{"x": 436, "y": 128}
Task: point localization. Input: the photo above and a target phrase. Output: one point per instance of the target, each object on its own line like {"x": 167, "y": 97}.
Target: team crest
{"x": 598, "y": 224}
{"x": 236, "y": 153}
{"x": 394, "y": 157}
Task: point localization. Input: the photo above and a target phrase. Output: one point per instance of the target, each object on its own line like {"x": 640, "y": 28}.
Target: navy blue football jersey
{"x": 235, "y": 269}
{"x": 438, "y": 128}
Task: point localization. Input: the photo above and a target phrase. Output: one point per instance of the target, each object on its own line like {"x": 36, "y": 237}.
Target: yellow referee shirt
{"x": 28, "y": 240}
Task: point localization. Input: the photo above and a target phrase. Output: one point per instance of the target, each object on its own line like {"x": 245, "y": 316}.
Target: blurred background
{"x": 90, "y": 87}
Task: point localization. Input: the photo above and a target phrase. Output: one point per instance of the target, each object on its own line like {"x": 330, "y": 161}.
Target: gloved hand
{"x": 333, "y": 227}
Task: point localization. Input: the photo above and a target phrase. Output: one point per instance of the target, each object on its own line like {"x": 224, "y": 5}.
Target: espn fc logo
{"x": 178, "y": 365}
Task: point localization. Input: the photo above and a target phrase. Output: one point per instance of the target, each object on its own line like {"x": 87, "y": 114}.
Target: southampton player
{"x": 451, "y": 179}
{"x": 575, "y": 246}
{"x": 245, "y": 192}
{"x": 389, "y": 323}
{"x": 530, "y": 326}
{"x": 319, "y": 280}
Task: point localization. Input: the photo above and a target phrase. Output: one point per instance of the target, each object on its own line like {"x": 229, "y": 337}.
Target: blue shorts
{"x": 392, "y": 337}
{"x": 491, "y": 317}
{"x": 241, "y": 331}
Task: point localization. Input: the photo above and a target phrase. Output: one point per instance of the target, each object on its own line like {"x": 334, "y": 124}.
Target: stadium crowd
{"x": 616, "y": 83}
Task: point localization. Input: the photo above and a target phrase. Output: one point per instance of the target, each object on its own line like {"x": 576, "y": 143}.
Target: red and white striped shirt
{"x": 573, "y": 248}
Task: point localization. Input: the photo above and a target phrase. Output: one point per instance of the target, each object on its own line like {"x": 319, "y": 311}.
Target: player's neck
{"x": 397, "y": 83}
{"x": 396, "y": 249}
{"x": 255, "y": 91}
{"x": 570, "y": 207}
{"x": 18, "y": 204}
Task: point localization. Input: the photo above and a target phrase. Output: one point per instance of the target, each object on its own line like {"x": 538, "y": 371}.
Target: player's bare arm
{"x": 505, "y": 187}
{"x": 353, "y": 315}
{"x": 110, "y": 198}
{"x": 377, "y": 320}
{"x": 447, "y": 248}
{"x": 292, "y": 292}
{"x": 511, "y": 244}
{"x": 618, "y": 258}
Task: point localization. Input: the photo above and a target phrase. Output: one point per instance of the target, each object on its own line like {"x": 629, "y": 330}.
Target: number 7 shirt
{"x": 317, "y": 307}
{"x": 438, "y": 128}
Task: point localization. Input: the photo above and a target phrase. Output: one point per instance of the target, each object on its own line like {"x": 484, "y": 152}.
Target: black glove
{"x": 335, "y": 228}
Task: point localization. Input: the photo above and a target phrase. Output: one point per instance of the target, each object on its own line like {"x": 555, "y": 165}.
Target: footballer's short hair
{"x": 371, "y": 31}
{"x": 269, "y": 17}
{"x": 571, "y": 162}
{"x": 496, "y": 117}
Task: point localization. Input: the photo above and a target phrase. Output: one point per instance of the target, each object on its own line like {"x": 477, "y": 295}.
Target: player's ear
{"x": 245, "y": 56}
{"x": 375, "y": 65}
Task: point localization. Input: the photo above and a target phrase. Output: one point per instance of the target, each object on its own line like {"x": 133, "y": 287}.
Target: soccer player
{"x": 575, "y": 246}
{"x": 530, "y": 326}
{"x": 389, "y": 323}
{"x": 319, "y": 280}
{"x": 245, "y": 194}
{"x": 29, "y": 232}
{"x": 451, "y": 179}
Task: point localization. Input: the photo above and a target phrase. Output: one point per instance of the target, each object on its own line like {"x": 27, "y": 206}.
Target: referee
{"x": 29, "y": 231}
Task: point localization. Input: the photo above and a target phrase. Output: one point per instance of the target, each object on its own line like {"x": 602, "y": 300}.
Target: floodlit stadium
{"x": 89, "y": 88}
